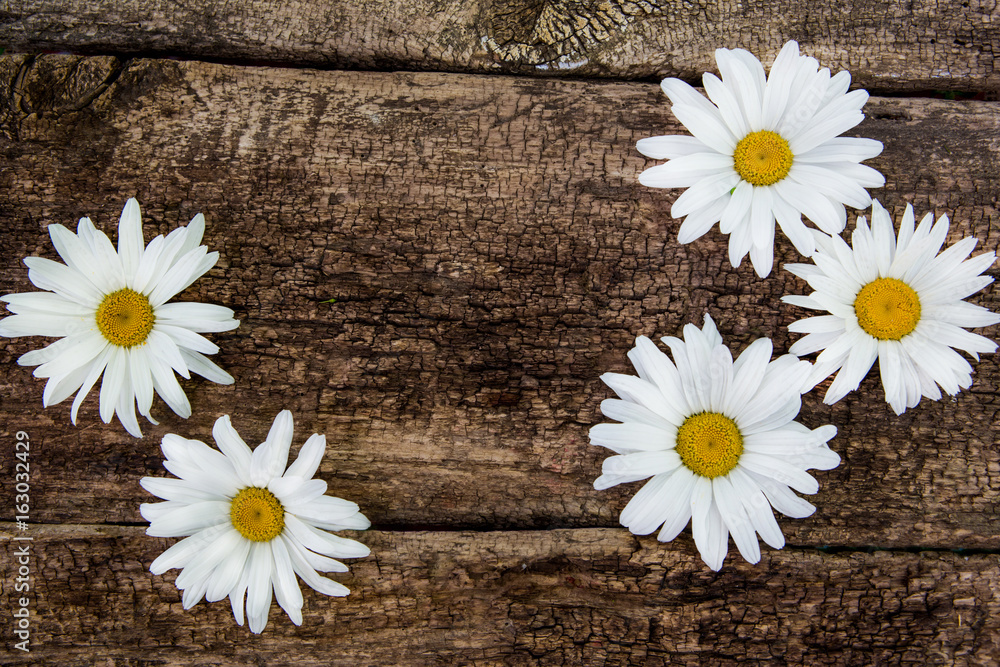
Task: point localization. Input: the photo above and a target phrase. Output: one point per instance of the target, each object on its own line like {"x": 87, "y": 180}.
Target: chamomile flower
{"x": 110, "y": 312}
{"x": 717, "y": 438}
{"x": 764, "y": 150}
{"x": 250, "y": 525}
{"x": 895, "y": 300}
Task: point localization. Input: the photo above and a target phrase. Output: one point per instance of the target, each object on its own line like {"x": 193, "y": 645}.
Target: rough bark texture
{"x": 556, "y": 597}
{"x": 491, "y": 254}
{"x": 888, "y": 45}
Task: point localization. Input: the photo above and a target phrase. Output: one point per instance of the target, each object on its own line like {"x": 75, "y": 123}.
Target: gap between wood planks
{"x": 125, "y": 59}
{"x": 102, "y": 529}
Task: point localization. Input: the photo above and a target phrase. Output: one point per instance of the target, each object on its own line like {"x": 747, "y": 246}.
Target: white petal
{"x": 125, "y": 409}
{"x": 670, "y": 147}
{"x": 162, "y": 348}
{"x": 698, "y": 223}
{"x": 737, "y": 208}
{"x": 740, "y": 242}
{"x": 356, "y": 521}
{"x": 818, "y": 324}
{"x": 67, "y": 354}
{"x": 735, "y": 518}
{"x": 776, "y": 92}
{"x": 639, "y": 391}
{"x": 271, "y": 457}
{"x": 626, "y": 411}
{"x": 819, "y": 209}
{"x": 141, "y": 378}
{"x": 309, "y": 457}
{"x": 180, "y": 554}
{"x": 757, "y": 507}
{"x": 828, "y": 125}
{"x": 205, "y": 367}
{"x": 841, "y": 149}
{"x": 166, "y": 386}
{"x": 222, "y": 479}
{"x": 322, "y": 542}
{"x": 685, "y": 171}
{"x": 185, "y": 271}
{"x": 703, "y": 120}
{"x": 213, "y": 554}
{"x": 814, "y": 343}
{"x": 644, "y": 513}
{"x": 295, "y": 490}
{"x": 95, "y": 369}
{"x": 959, "y": 313}
{"x": 130, "y": 243}
{"x": 762, "y": 232}
{"x": 199, "y": 317}
{"x": 286, "y": 589}
{"x": 191, "y": 519}
{"x": 186, "y": 339}
{"x": 710, "y": 534}
{"x": 745, "y": 80}
{"x": 114, "y": 383}
{"x": 860, "y": 360}
{"x": 61, "y": 387}
{"x": 792, "y": 226}
{"x": 631, "y": 437}
{"x": 677, "y": 507}
{"x": 781, "y": 497}
{"x": 324, "y": 509}
{"x": 146, "y": 270}
{"x": 227, "y": 574}
{"x": 637, "y": 466}
{"x": 704, "y": 193}
{"x": 238, "y": 595}
{"x": 748, "y": 372}
{"x": 46, "y": 303}
{"x": 259, "y": 592}
{"x": 780, "y": 471}
{"x": 178, "y": 490}
{"x": 830, "y": 183}
{"x": 231, "y": 444}
{"x": 305, "y": 570}
{"x": 79, "y": 256}
{"x": 654, "y": 366}
{"x": 890, "y": 368}
{"x": 729, "y": 106}
{"x": 720, "y": 371}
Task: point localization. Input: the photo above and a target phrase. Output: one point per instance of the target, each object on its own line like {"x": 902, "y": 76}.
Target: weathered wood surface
{"x": 491, "y": 254}
{"x": 886, "y": 44}
{"x": 556, "y": 597}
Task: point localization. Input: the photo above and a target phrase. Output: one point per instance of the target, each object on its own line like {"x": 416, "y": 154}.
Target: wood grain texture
{"x": 886, "y": 44}
{"x": 491, "y": 254}
{"x": 556, "y": 597}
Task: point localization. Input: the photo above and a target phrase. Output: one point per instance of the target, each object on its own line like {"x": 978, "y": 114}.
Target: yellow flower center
{"x": 762, "y": 158}
{"x": 125, "y": 318}
{"x": 709, "y": 444}
{"x": 257, "y": 514}
{"x": 887, "y": 309}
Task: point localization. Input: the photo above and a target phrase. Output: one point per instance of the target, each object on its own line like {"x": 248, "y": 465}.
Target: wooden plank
{"x": 887, "y": 45}
{"x": 556, "y": 597}
{"x": 491, "y": 254}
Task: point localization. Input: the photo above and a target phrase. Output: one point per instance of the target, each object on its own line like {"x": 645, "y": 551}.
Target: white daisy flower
{"x": 249, "y": 524}
{"x": 717, "y": 438}
{"x": 111, "y": 313}
{"x": 766, "y": 150}
{"x": 896, "y": 300}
